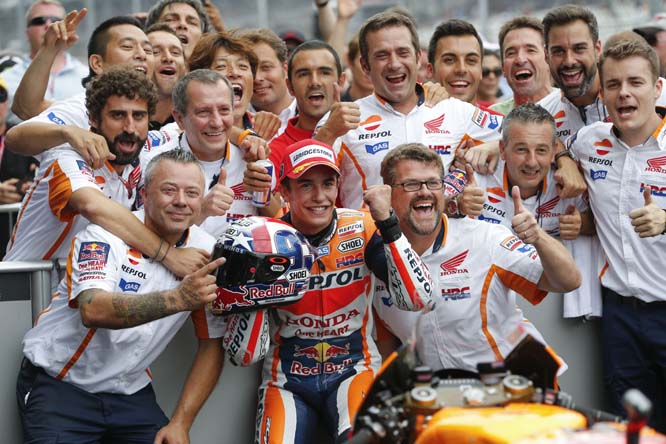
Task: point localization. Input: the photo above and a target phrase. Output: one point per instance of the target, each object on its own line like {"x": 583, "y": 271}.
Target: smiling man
{"x": 623, "y": 164}
{"x": 187, "y": 18}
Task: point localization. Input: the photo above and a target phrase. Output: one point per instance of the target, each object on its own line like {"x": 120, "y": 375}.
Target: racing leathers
{"x": 320, "y": 355}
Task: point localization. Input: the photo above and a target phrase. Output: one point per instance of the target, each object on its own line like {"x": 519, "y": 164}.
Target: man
{"x": 301, "y": 389}
{"x": 270, "y": 81}
{"x": 656, "y": 37}
{"x": 112, "y": 316}
{"x": 170, "y": 67}
{"x": 397, "y": 112}
{"x": 621, "y": 163}
{"x": 204, "y": 109}
{"x": 454, "y": 59}
{"x": 187, "y": 18}
{"x": 65, "y": 74}
{"x": 68, "y": 193}
{"x": 523, "y": 61}
{"x": 475, "y": 266}
{"x": 116, "y": 41}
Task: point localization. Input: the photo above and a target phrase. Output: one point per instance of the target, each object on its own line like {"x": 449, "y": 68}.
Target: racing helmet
{"x": 267, "y": 264}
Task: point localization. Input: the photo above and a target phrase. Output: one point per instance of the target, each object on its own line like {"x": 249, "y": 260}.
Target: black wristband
{"x": 389, "y": 228}
{"x": 567, "y": 152}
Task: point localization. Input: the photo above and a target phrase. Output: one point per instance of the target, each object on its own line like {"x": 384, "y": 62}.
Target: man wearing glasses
{"x": 474, "y": 266}
{"x": 66, "y": 72}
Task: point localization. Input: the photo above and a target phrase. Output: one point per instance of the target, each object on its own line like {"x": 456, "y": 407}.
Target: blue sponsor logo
{"x": 526, "y": 248}
{"x": 55, "y": 119}
{"x": 598, "y": 175}
{"x": 129, "y": 286}
{"x": 493, "y": 122}
{"x": 93, "y": 251}
{"x": 386, "y": 300}
{"x": 377, "y": 147}
{"x": 323, "y": 250}
{"x": 155, "y": 139}
{"x": 489, "y": 219}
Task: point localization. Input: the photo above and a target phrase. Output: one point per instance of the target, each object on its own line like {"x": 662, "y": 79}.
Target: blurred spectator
{"x": 360, "y": 84}
{"x": 66, "y": 71}
{"x": 292, "y": 39}
{"x": 656, "y": 37}
{"x": 491, "y": 72}
{"x": 187, "y": 17}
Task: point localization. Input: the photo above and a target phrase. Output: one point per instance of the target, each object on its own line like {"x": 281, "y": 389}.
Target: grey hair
{"x": 28, "y": 13}
{"x": 528, "y": 113}
{"x": 409, "y": 151}
{"x": 205, "y": 76}
{"x": 176, "y": 155}
{"x": 155, "y": 12}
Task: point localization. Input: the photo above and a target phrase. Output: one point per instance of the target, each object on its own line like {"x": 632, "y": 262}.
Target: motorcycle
{"x": 515, "y": 401}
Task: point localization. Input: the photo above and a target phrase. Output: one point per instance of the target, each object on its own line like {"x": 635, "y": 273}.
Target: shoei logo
{"x": 351, "y": 244}
{"x": 656, "y": 165}
{"x": 603, "y": 146}
{"x": 297, "y": 274}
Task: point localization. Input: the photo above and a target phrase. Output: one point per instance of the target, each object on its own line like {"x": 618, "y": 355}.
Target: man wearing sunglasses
{"x": 66, "y": 72}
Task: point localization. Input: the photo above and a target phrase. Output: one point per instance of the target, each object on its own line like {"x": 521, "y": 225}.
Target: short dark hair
{"x": 649, "y": 33}
{"x": 409, "y": 151}
{"x": 267, "y": 36}
{"x": 563, "y": 15}
{"x": 177, "y": 155}
{"x": 160, "y": 27}
{"x": 518, "y": 23}
{"x": 203, "y": 54}
{"x": 312, "y": 45}
{"x": 205, "y": 76}
{"x": 528, "y": 113}
{"x": 620, "y": 49}
{"x": 386, "y": 19}
{"x": 155, "y": 12}
{"x": 453, "y": 27}
{"x": 100, "y": 39}
{"x": 122, "y": 81}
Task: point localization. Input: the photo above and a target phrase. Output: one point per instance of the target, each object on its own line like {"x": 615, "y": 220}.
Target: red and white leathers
{"x": 443, "y": 128}
{"x": 44, "y": 226}
{"x": 321, "y": 358}
{"x": 234, "y": 165}
{"x": 547, "y": 207}
{"x": 616, "y": 175}
{"x": 99, "y": 359}
{"x": 474, "y": 266}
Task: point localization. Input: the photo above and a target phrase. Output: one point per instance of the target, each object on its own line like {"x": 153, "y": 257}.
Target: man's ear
{"x": 501, "y": 147}
{"x": 96, "y": 63}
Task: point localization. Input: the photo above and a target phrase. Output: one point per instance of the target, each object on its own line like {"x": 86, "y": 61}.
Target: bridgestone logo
{"x": 310, "y": 151}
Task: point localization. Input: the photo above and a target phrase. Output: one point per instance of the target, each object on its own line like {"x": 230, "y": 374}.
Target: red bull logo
{"x": 93, "y": 251}
{"x": 227, "y": 299}
{"x": 322, "y": 351}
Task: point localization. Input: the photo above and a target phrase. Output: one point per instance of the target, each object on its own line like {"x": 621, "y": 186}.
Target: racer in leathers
{"x": 320, "y": 356}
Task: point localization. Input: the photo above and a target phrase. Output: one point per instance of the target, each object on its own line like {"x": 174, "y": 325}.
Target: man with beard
{"x": 475, "y": 264}
{"x": 170, "y": 67}
{"x": 523, "y": 61}
{"x": 67, "y": 193}
{"x": 112, "y": 316}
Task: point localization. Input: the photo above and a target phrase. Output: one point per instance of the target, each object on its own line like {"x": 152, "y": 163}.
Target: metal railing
{"x": 27, "y": 281}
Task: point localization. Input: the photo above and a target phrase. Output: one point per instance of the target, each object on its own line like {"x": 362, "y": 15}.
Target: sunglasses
{"x": 487, "y": 71}
{"x": 42, "y": 20}
{"x": 3, "y": 95}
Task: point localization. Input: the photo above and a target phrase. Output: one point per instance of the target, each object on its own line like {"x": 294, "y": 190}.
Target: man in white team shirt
{"x": 203, "y": 108}
{"x": 623, "y": 163}
{"x": 397, "y": 112}
{"x": 112, "y": 316}
{"x": 68, "y": 194}
{"x": 474, "y": 265}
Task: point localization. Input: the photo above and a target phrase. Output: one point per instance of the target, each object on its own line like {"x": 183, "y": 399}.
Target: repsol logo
{"x": 598, "y": 161}
{"x": 335, "y": 279}
{"x": 133, "y": 272}
{"x": 376, "y": 135}
{"x": 494, "y": 210}
{"x": 564, "y": 133}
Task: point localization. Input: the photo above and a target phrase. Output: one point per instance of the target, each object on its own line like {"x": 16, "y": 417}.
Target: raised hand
{"x": 570, "y": 223}
{"x": 198, "y": 288}
{"x": 219, "y": 198}
{"x": 649, "y": 220}
{"x": 378, "y": 200}
{"x": 524, "y": 223}
{"x": 472, "y": 198}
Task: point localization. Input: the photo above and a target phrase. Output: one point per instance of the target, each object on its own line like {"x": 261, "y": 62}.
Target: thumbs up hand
{"x": 649, "y": 220}
{"x": 570, "y": 223}
{"x": 472, "y": 198}
{"x": 524, "y": 223}
{"x": 219, "y": 198}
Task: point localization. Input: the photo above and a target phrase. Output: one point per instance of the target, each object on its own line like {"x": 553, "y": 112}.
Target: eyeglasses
{"x": 3, "y": 95}
{"x": 416, "y": 185}
{"x": 487, "y": 71}
{"x": 42, "y": 19}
